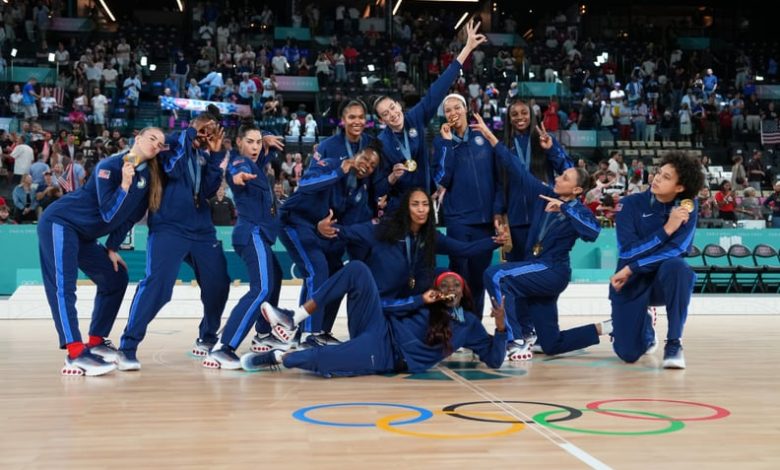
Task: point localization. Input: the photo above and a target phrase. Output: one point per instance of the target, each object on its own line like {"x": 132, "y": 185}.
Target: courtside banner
{"x": 183, "y": 104}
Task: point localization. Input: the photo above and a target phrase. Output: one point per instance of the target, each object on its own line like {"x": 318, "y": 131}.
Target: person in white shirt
{"x": 269, "y": 88}
{"x": 311, "y": 126}
{"x": 193, "y": 91}
{"x": 619, "y": 168}
{"x": 223, "y": 33}
{"x": 123, "y": 55}
{"x": 213, "y": 81}
{"x": 132, "y": 87}
{"x": 99, "y": 105}
{"x": 279, "y": 63}
{"x": 206, "y": 32}
{"x": 246, "y": 89}
{"x": 48, "y": 102}
{"x": 15, "y": 100}
{"x": 62, "y": 56}
{"x": 294, "y": 127}
{"x": 23, "y": 159}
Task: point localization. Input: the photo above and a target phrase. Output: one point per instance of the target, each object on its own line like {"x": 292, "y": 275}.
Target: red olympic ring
{"x": 720, "y": 413}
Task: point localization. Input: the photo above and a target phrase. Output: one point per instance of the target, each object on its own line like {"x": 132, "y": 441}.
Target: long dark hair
{"x": 539, "y": 166}
{"x": 396, "y": 226}
{"x": 440, "y": 321}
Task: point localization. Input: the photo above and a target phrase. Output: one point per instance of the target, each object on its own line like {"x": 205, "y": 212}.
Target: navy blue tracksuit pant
{"x": 474, "y": 267}
{"x": 537, "y": 286}
{"x": 671, "y": 286}
{"x": 370, "y": 348}
{"x": 62, "y": 254}
{"x": 308, "y": 251}
{"x": 265, "y": 284}
{"x": 164, "y": 255}
{"x": 519, "y": 237}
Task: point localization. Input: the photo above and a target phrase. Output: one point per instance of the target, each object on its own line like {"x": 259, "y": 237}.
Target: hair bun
{"x": 214, "y": 111}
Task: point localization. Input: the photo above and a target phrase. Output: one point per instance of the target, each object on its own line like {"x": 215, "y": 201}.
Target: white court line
{"x": 547, "y": 433}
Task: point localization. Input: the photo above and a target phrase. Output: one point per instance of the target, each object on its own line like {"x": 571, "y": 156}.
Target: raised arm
{"x": 112, "y": 187}
{"x": 427, "y": 107}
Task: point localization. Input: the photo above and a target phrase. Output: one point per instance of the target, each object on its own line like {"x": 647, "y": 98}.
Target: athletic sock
{"x": 75, "y": 349}
{"x": 300, "y": 314}
{"x": 94, "y": 341}
{"x": 606, "y": 327}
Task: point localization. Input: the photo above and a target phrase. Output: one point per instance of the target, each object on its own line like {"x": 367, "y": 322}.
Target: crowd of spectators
{"x": 642, "y": 91}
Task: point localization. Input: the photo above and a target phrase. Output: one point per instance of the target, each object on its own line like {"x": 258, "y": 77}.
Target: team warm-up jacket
{"x": 409, "y": 330}
{"x": 562, "y": 229}
{"x": 178, "y": 214}
{"x": 324, "y": 186}
{"x": 102, "y": 207}
{"x": 254, "y": 200}
{"x": 392, "y": 268}
{"x": 518, "y": 205}
{"x": 467, "y": 169}
{"x": 642, "y": 241}
{"x": 356, "y": 201}
{"x": 415, "y": 122}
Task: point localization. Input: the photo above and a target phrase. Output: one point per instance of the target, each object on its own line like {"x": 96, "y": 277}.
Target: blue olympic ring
{"x": 301, "y": 414}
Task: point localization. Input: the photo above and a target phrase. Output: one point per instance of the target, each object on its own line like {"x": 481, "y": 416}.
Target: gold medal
{"x": 412, "y": 282}
{"x": 537, "y": 249}
{"x": 133, "y": 158}
{"x": 687, "y": 204}
{"x": 410, "y": 165}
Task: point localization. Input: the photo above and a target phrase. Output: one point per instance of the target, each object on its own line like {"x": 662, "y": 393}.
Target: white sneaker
{"x": 222, "y": 359}
{"x": 127, "y": 361}
{"x": 201, "y": 348}
{"x": 673, "y": 355}
{"x": 518, "y": 350}
{"x": 268, "y": 342}
{"x": 87, "y": 364}
{"x": 106, "y": 350}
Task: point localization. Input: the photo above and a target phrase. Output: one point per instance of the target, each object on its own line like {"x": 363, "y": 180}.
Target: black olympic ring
{"x": 574, "y": 413}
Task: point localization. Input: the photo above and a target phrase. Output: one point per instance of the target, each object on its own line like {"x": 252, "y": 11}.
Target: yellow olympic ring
{"x": 385, "y": 425}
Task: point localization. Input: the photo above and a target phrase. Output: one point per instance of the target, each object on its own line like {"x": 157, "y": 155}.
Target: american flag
{"x": 770, "y": 132}
{"x": 66, "y": 180}
{"x": 58, "y": 93}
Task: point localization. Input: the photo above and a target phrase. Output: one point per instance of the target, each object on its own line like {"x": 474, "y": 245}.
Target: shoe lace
{"x": 673, "y": 347}
{"x": 269, "y": 359}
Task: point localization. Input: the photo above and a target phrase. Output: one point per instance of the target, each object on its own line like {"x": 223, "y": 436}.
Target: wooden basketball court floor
{"x": 719, "y": 413}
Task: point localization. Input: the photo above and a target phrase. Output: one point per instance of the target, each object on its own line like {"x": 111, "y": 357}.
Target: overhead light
{"x": 14, "y": 52}
{"x": 51, "y": 56}
{"x": 371, "y": 67}
{"x": 105, "y": 7}
{"x": 181, "y": 5}
{"x": 759, "y": 78}
{"x": 144, "y": 61}
{"x": 153, "y": 67}
{"x": 461, "y": 20}
{"x": 364, "y": 80}
{"x": 531, "y": 75}
{"x": 397, "y": 6}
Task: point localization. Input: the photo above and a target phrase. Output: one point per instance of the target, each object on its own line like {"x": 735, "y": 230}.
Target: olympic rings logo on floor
{"x": 410, "y": 415}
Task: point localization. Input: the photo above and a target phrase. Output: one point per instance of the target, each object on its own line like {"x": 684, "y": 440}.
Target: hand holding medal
{"x": 133, "y": 159}
{"x": 687, "y": 204}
